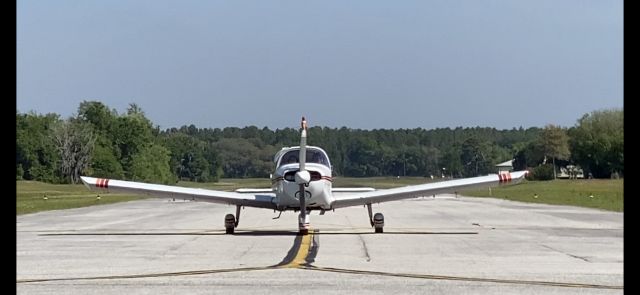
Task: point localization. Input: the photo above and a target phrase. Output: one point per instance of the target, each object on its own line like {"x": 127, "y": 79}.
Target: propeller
{"x": 303, "y": 177}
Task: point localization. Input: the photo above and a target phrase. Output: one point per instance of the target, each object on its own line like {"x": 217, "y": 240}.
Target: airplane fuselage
{"x": 317, "y": 192}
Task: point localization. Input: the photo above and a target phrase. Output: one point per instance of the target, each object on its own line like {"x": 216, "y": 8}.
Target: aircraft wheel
{"x": 378, "y": 222}
{"x": 229, "y": 223}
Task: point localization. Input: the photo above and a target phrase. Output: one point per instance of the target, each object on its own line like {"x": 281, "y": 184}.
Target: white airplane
{"x": 302, "y": 171}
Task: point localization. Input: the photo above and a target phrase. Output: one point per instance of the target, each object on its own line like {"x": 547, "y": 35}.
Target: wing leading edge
{"x": 427, "y": 189}
{"x": 262, "y": 200}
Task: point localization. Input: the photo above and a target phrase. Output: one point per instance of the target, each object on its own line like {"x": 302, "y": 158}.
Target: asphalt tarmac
{"x": 442, "y": 245}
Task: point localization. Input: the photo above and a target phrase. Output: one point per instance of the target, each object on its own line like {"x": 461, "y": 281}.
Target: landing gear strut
{"x": 303, "y": 224}
{"x": 376, "y": 221}
{"x": 303, "y": 218}
{"x": 231, "y": 222}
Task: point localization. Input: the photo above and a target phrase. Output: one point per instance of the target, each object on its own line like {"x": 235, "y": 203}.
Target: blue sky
{"x": 360, "y": 64}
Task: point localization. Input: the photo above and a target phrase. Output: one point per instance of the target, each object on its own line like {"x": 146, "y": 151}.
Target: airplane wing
{"x": 259, "y": 200}
{"x": 352, "y": 189}
{"x": 428, "y": 189}
{"x": 254, "y": 190}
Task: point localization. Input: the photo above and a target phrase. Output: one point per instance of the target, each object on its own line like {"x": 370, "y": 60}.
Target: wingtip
{"x": 521, "y": 174}
{"x": 85, "y": 181}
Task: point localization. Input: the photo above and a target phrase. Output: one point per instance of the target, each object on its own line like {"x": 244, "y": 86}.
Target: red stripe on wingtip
{"x": 102, "y": 182}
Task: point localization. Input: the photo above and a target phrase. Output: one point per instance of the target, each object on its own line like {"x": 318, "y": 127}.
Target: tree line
{"x": 100, "y": 142}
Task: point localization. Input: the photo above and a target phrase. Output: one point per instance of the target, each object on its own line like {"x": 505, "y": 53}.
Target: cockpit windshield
{"x": 313, "y": 156}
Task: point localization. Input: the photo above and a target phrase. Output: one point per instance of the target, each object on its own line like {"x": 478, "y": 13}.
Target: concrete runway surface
{"x": 442, "y": 245}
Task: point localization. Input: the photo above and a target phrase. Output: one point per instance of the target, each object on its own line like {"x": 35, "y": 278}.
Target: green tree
{"x": 543, "y": 172}
{"x": 188, "y": 157}
{"x": 241, "y": 158}
{"x": 151, "y": 164}
{"x": 99, "y": 116}
{"x": 132, "y": 133}
{"x": 105, "y": 161}
{"x": 74, "y": 141}
{"x": 363, "y": 157}
{"x": 35, "y": 150}
{"x": 105, "y": 164}
{"x": 19, "y": 172}
{"x": 475, "y": 157}
{"x": 212, "y": 158}
{"x": 531, "y": 155}
{"x": 555, "y": 144}
{"x": 451, "y": 162}
{"x": 597, "y": 142}
{"x": 135, "y": 110}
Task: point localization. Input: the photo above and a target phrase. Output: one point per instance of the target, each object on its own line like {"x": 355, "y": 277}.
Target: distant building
{"x": 505, "y": 166}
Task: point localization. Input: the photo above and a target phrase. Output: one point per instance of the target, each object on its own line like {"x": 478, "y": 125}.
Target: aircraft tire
{"x": 378, "y": 222}
{"x": 229, "y": 223}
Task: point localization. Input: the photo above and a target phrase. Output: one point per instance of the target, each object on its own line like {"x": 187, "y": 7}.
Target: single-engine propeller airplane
{"x": 302, "y": 182}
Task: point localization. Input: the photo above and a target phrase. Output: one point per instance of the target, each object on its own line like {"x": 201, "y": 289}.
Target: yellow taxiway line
{"x": 303, "y": 252}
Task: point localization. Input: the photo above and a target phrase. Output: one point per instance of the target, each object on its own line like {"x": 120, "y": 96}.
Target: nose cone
{"x": 303, "y": 177}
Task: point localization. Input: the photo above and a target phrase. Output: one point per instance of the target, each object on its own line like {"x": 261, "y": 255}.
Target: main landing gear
{"x": 231, "y": 222}
{"x": 377, "y": 221}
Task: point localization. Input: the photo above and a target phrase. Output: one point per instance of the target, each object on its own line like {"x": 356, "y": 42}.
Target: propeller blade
{"x": 302, "y": 176}
{"x": 303, "y": 149}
